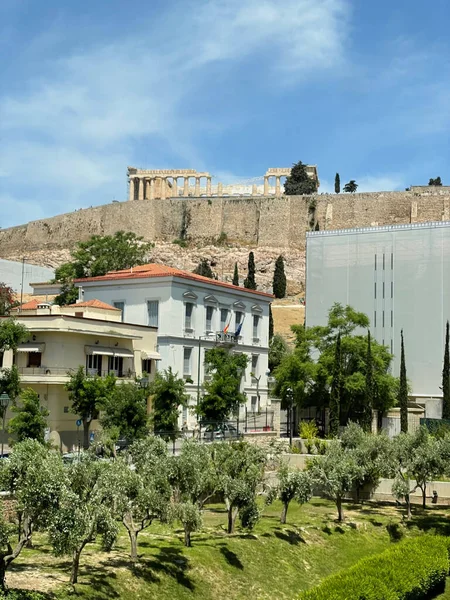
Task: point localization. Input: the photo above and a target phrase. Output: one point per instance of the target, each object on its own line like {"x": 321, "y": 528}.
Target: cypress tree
{"x": 369, "y": 391}
{"x": 337, "y": 184}
{"x": 403, "y": 391}
{"x": 249, "y": 281}
{"x": 235, "y": 275}
{"x": 335, "y": 395}
{"x": 270, "y": 323}
{"x": 446, "y": 378}
{"x": 203, "y": 268}
{"x": 279, "y": 279}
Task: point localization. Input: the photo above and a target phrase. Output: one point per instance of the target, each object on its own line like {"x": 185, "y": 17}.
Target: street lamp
{"x": 290, "y": 398}
{"x": 4, "y": 401}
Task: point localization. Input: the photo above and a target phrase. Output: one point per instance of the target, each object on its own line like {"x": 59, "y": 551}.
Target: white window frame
{"x": 152, "y": 301}
{"x": 115, "y": 302}
{"x": 209, "y": 322}
{"x": 256, "y": 329}
{"x": 189, "y": 327}
{"x": 187, "y": 371}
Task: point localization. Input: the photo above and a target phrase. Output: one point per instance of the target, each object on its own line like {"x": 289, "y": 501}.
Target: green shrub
{"x": 411, "y": 570}
{"x": 181, "y": 243}
{"x": 308, "y": 430}
{"x": 15, "y": 594}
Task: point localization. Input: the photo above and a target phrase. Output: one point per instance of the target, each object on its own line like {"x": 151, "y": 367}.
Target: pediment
{"x": 189, "y": 295}
{"x": 256, "y": 308}
{"x": 210, "y": 299}
{"x": 239, "y": 305}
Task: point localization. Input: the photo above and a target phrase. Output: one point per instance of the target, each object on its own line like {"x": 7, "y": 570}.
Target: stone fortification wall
{"x": 242, "y": 222}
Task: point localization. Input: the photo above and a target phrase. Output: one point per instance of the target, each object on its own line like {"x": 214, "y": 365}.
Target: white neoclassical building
{"x": 192, "y": 314}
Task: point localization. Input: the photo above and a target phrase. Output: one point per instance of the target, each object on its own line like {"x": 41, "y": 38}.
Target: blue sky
{"x": 228, "y": 86}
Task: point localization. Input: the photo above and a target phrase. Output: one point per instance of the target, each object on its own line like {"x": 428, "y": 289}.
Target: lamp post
{"x": 4, "y": 401}
{"x": 290, "y": 398}
{"x": 200, "y": 338}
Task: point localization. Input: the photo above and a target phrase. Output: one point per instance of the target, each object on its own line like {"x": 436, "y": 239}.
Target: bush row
{"x": 411, "y": 570}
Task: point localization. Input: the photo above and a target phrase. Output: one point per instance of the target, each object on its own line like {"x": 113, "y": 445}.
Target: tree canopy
{"x": 279, "y": 279}
{"x": 437, "y": 181}
{"x": 126, "y": 409}
{"x": 337, "y": 184}
{"x": 311, "y": 380}
{"x": 11, "y": 334}
{"x": 249, "y": 281}
{"x": 30, "y": 417}
{"x": 351, "y": 186}
{"x": 168, "y": 394}
{"x": 97, "y": 256}
{"x": 299, "y": 182}
{"x": 7, "y": 299}
{"x": 222, "y": 395}
{"x": 204, "y": 269}
{"x": 235, "y": 275}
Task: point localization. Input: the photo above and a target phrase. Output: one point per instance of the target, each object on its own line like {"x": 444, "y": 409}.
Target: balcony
{"x": 62, "y": 374}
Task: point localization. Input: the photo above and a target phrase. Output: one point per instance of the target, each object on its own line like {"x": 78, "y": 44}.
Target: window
{"x": 238, "y": 316}
{"x": 255, "y": 365}
{"x": 147, "y": 366}
{"x": 209, "y": 317}
{"x": 34, "y": 359}
{"x": 187, "y": 354}
{"x": 94, "y": 364}
{"x": 152, "y": 311}
{"x": 188, "y": 307}
{"x": 121, "y": 306}
{"x": 115, "y": 364}
{"x": 254, "y": 401}
{"x": 223, "y": 318}
{"x": 255, "y": 327}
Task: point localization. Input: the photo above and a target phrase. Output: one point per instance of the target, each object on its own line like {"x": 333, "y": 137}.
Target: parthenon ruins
{"x": 146, "y": 184}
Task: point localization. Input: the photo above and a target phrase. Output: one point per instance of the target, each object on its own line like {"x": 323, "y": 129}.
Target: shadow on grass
{"x": 98, "y": 580}
{"x": 339, "y": 529}
{"x": 290, "y": 536}
{"x": 427, "y": 520}
{"x": 170, "y": 562}
{"x": 231, "y": 558}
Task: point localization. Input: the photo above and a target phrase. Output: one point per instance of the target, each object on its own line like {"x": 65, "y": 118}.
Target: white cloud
{"x": 76, "y": 127}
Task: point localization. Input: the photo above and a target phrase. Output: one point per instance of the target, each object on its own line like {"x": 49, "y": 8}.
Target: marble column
{"x": 152, "y": 188}
{"x": 219, "y": 189}
{"x": 254, "y": 190}
{"x": 197, "y": 187}
{"x": 266, "y": 186}
{"x": 163, "y": 188}
{"x": 141, "y": 188}
{"x": 277, "y": 187}
{"x": 145, "y": 186}
{"x": 208, "y": 186}
{"x": 131, "y": 189}
{"x": 186, "y": 187}
{"x": 174, "y": 187}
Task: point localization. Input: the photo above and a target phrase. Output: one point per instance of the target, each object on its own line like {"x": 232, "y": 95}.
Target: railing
{"x": 67, "y": 371}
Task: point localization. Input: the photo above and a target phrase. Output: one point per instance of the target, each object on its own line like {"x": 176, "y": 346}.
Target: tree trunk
{"x": 408, "y": 507}
{"x": 187, "y": 538}
{"x": 86, "y": 426}
{"x": 133, "y": 542}
{"x": 424, "y": 496}
{"x": 2, "y": 574}
{"x": 284, "y": 513}
{"x": 232, "y": 514}
{"x": 340, "y": 511}
{"x": 75, "y": 566}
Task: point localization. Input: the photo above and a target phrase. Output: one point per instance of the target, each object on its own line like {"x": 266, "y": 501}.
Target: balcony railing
{"x": 67, "y": 371}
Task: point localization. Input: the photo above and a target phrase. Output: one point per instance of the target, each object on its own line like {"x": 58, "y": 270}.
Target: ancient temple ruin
{"x": 149, "y": 184}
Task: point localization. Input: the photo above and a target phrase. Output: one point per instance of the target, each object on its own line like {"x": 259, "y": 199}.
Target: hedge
{"x": 411, "y": 570}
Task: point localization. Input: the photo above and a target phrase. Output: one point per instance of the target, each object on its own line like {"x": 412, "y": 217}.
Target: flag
{"x": 225, "y": 329}
{"x": 238, "y": 330}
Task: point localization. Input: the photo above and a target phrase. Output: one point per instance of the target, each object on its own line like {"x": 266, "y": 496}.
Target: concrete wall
{"x": 268, "y": 221}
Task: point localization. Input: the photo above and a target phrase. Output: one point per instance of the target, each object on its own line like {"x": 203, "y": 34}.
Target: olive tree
{"x": 84, "y": 511}
{"x": 193, "y": 481}
{"x": 293, "y": 484}
{"x": 240, "y": 473}
{"x": 335, "y": 472}
{"x": 140, "y": 494}
{"x": 35, "y": 477}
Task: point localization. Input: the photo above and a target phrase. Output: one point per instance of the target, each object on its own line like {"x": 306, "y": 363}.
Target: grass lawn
{"x": 274, "y": 561}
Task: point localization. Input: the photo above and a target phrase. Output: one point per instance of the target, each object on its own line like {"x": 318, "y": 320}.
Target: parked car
{"x": 221, "y": 431}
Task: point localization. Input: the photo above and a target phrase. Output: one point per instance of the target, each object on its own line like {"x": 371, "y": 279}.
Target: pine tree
{"x": 366, "y": 421}
{"x": 279, "y": 279}
{"x": 351, "y": 187}
{"x": 270, "y": 323}
{"x": 403, "y": 391}
{"x": 203, "y": 268}
{"x": 335, "y": 395}
{"x": 249, "y": 281}
{"x": 446, "y": 377}
{"x": 337, "y": 184}
{"x": 235, "y": 275}
{"x": 299, "y": 182}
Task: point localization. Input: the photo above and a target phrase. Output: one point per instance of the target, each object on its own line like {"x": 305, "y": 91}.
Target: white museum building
{"x": 192, "y": 314}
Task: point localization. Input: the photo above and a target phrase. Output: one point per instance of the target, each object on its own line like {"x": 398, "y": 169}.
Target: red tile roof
{"x": 31, "y": 305}
{"x": 93, "y": 304}
{"x": 153, "y": 270}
